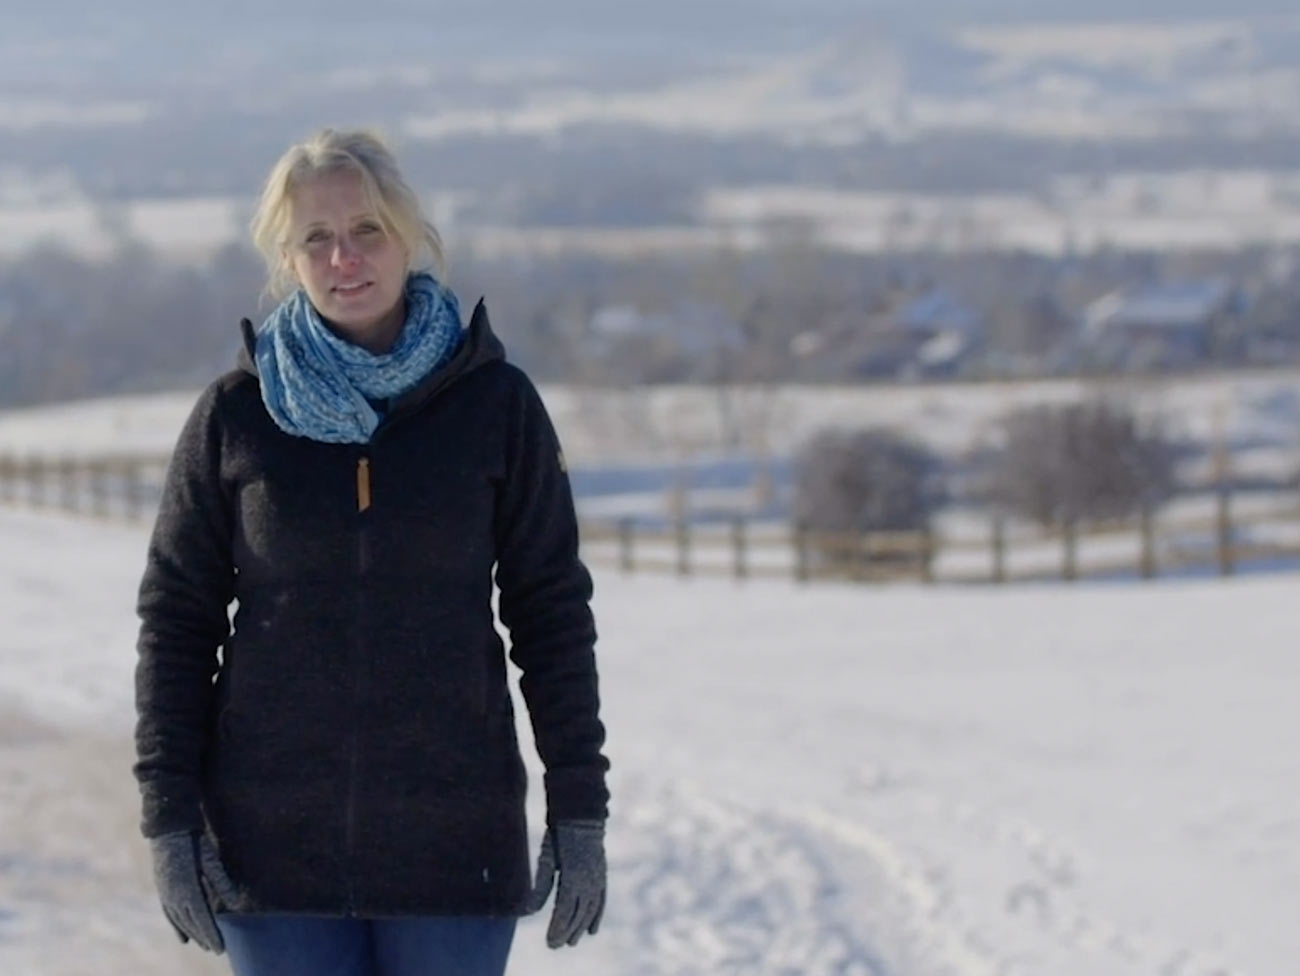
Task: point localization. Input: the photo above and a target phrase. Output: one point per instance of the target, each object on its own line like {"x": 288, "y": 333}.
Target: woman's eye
{"x": 368, "y": 229}
{"x": 316, "y": 237}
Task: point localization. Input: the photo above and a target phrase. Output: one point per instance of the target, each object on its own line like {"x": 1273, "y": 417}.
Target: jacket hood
{"x": 481, "y": 347}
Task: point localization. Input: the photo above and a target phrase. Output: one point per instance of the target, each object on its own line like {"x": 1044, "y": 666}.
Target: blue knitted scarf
{"x": 319, "y": 386}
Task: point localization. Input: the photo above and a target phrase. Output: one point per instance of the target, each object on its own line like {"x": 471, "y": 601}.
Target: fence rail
{"x": 124, "y": 486}
{"x": 1216, "y": 532}
{"x": 1220, "y": 541}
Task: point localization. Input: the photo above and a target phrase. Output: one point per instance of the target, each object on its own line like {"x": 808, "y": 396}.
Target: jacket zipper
{"x": 354, "y": 755}
{"x": 363, "y": 483}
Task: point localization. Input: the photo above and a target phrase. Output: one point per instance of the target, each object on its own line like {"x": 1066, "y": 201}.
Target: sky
{"x": 497, "y": 27}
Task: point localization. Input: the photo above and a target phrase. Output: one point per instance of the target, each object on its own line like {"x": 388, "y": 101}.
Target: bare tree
{"x": 1087, "y": 461}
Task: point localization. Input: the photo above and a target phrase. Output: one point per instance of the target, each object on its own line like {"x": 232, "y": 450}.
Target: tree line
{"x": 137, "y": 321}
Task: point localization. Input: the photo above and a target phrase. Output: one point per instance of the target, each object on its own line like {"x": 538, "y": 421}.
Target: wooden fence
{"x": 120, "y": 486}
{"x": 1212, "y": 531}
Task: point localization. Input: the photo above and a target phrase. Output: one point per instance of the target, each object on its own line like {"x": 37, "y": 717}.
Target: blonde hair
{"x": 330, "y": 151}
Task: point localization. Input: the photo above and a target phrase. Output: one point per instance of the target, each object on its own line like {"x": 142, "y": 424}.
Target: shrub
{"x": 848, "y": 483}
{"x": 1090, "y": 461}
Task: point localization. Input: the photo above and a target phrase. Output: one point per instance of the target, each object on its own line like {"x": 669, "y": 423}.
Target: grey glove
{"x": 575, "y": 849}
{"x": 191, "y": 881}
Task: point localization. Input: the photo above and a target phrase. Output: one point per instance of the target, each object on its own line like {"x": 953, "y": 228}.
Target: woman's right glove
{"x": 575, "y": 849}
{"x": 191, "y": 880}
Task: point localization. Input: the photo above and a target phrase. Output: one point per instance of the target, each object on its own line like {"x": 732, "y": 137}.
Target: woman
{"x": 348, "y": 795}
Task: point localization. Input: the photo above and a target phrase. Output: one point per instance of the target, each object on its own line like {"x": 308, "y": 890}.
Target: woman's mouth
{"x": 348, "y": 291}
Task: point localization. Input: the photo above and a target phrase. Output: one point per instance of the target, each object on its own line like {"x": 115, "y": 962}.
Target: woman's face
{"x": 353, "y": 270}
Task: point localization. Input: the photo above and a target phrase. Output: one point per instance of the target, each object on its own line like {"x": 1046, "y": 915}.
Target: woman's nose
{"x": 345, "y": 252}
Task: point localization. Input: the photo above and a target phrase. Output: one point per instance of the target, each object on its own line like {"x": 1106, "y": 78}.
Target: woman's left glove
{"x": 575, "y": 850}
{"x": 190, "y": 880}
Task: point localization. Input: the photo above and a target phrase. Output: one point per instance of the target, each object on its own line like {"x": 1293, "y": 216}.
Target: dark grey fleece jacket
{"x": 356, "y": 752}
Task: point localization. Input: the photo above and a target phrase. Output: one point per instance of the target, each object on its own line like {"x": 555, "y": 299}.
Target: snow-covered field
{"x": 1257, "y": 413}
{"x": 1170, "y": 211}
{"x": 898, "y": 781}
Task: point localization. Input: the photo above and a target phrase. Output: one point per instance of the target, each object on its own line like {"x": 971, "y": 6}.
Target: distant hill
{"x": 491, "y": 29}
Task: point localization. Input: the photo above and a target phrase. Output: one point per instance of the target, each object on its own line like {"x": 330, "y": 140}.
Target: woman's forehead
{"x": 332, "y": 194}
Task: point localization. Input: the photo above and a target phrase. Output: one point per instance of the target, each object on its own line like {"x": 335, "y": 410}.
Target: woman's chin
{"x": 363, "y": 324}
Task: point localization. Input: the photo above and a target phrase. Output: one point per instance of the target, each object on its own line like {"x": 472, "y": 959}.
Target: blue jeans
{"x": 295, "y": 945}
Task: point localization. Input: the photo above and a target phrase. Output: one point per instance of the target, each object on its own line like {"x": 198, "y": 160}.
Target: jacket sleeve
{"x": 545, "y": 604}
{"x": 184, "y": 597}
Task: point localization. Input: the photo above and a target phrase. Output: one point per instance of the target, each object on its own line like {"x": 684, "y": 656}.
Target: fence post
{"x": 999, "y": 541}
{"x": 38, "y": 494}
{"x": 799, "y": 539}
{"x": 1070, "y": 540}
{"x": 1224, "y": 532}
{"x": 133, "y": 486}
{"x": 8, "y": 478}
{"x": 1147, "y": 527}
{"x": 625, "y": 560}
{"x": 683, "y": 533}
{"x": 98, "y": 475}
{"x": 927, "y": 554}
{"x": 865, "y": 552}
{"x": 67, "y": 474}
{"x": 738, "y": 546}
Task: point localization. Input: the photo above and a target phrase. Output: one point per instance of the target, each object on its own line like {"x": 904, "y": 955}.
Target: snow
{"x": 1082, "y": 81}
{"x": 193, "y": 223}
{"x": 887, "y": 781}
{"x": 1259, "y": 413}
{"x": 1157, "y": 47}
{"x": 69, "y": 222}
{"x": 779, "y": 97}
{"x": 184, "y": 229}
{"x": 24, "y": 113}
{"x": 1173, "y": 210}
{"x": 1101, "y": 81}
{"x": 147, "y": 424}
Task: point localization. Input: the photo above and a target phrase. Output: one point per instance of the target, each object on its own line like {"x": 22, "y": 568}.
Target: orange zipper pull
{"x": 363, "y": 484}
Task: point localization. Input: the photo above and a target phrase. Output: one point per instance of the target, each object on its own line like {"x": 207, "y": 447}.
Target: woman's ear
{"x": 287, "y": 271}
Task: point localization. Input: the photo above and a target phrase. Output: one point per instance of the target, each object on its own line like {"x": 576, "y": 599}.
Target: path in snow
{"x": 76, "y": 898}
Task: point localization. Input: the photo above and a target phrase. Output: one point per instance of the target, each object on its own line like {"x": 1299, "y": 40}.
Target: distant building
{"x": 928, "y": 336}
{"x": 1161, "y": 326}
